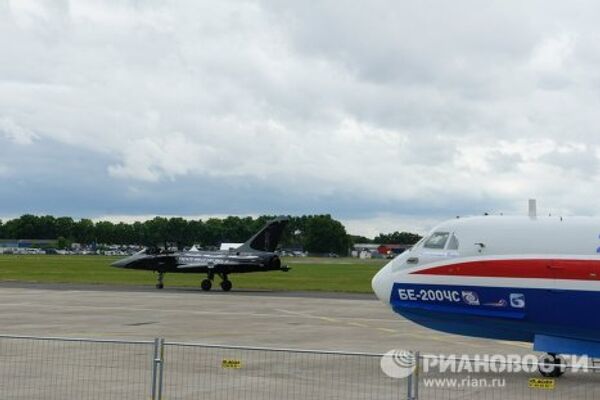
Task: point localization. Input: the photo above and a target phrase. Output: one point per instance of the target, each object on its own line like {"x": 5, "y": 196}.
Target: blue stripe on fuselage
{"x": 500, "y": 312}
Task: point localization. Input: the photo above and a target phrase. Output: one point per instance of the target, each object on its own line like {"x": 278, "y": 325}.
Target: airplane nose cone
{"x": 382, "y": 284}
{"x": 120, "y": 263}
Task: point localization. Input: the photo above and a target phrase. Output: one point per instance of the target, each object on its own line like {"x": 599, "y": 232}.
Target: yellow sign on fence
{"x": 541, "y": 383}
{"x": 231, "y": 363}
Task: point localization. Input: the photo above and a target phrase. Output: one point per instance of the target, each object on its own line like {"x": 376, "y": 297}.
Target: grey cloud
{"x": 583, "y": 161}
{"x": 15, "y": 132}
{"x": 395, "y": 107}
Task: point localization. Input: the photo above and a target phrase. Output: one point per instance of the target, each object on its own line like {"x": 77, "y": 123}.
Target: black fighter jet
{"x": 256, "y": 255}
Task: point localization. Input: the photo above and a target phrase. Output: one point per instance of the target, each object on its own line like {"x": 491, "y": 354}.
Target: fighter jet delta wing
{"x": 257, "y": 254}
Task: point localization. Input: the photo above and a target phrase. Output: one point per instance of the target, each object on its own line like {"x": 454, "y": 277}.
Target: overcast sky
{"x": 386, "y": 114}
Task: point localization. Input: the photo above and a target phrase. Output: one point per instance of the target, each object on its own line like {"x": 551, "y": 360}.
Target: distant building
{"x": 364, "y": 250}
{"x": 375, "y": 250}
{"x": 27, "y": 243}
{"x": 393, "y": 249}
{"x": 365, "y": 246}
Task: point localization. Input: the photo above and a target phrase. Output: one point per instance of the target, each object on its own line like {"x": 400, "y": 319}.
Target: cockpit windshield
{"x": 437, "y": 240}
{"x": 453, "y": 243}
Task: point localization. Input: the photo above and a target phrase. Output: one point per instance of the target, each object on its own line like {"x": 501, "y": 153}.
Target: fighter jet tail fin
{"x": 267, "y": 238}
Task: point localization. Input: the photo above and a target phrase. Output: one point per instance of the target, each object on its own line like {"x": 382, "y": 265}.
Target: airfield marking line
{"x": 194, "y": 311}
{"x": 150, "y": 294}
{"x": 470, "y": 344}
{"x": 131, "y": 309}
{"x": 328, "y": 319}
{"x": 358, "y": 324}
{"x": 517, "y": 344}
{"x": 394, "y": 321}
{"x": 323, "y": 318}
{"x": 438, "y": 338}
{"x": 76, "y": 292}
{"x": 417, "y": 336}
{"x": 305, "y": 315}
{"x": 435, "y": 337}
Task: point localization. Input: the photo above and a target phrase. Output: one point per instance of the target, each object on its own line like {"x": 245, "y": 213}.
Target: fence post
{"x": 155, "y": 360}
{"x": 161, "y": 363}
{"x": 157, "y": 368}
{"x": 412, "y": 381}
{"x": 409, "y": 387}
{"x": 416, "y": 375}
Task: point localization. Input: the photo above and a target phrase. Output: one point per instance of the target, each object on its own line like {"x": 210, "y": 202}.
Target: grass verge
{"x": 307, "y": 274}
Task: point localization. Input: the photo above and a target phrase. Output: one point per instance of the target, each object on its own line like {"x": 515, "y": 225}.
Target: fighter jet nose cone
{"x": 119, "y": 263}
{"x": 382, "y": 284}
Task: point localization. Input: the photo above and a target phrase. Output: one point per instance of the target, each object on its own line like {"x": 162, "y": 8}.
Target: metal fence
{"x": 34, "y": 368}
{"x": 468, "y": 378}
{"x": 195, "y": 371}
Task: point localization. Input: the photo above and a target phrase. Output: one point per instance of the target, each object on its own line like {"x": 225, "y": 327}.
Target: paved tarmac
{"x": 319, "y": 321}
{"x": 313, "y": 320}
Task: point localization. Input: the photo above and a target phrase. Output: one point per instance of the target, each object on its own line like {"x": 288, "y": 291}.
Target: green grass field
{"x": 311, "y": 274}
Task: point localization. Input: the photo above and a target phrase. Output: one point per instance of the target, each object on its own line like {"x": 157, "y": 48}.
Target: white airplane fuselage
{"x": 509, "y": 278}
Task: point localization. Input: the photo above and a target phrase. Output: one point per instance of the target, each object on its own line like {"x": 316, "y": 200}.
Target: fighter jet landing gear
{"x": 551, "y": 366}
{"x": 225, "y": 283}
{"x": 206, "y": 284}
{"x": 160, "y": 284}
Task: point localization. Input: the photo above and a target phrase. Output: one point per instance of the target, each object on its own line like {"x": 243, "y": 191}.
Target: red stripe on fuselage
{"x": 521, "y": 268}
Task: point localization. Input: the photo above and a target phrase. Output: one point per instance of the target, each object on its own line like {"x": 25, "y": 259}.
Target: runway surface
{"x": 319, "y": 321}
{"x": 326, "y": 321}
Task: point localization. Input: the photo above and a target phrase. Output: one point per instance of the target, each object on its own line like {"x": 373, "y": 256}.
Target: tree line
{"x": 314, "y": 233}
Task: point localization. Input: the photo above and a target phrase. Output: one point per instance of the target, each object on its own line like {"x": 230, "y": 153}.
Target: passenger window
{"x": 437, "y": 240}
{"x": 453, "y": 243}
